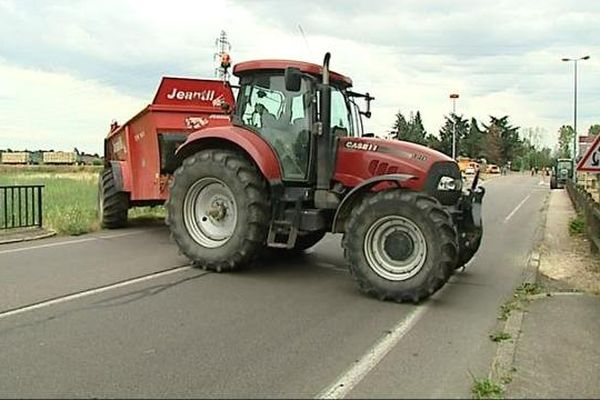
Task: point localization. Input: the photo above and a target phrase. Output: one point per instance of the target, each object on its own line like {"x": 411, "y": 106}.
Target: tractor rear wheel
{"x": 218, "y": 210}
{"x": 112, "y": 204}
{"x": 400, "y": 245}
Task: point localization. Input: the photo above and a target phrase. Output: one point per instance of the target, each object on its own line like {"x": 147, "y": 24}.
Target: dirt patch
{"x": 574, "y": 269}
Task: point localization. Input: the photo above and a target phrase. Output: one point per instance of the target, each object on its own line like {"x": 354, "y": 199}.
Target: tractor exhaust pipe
{"x": 326, "y": 68}
{"x": 323, "y": 197}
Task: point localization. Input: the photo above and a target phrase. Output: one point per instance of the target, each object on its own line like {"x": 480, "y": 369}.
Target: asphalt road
{"x": 119, "y": 314}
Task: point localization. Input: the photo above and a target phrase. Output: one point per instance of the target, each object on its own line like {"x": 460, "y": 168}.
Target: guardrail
{"x": 21, "y": 206}
{"x": 586, "y": 205}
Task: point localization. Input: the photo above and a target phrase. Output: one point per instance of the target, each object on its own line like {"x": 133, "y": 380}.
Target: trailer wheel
{"x": 218, "y": 210}
{"x": 112, "y": 204}
{"x": 400, "y": 245}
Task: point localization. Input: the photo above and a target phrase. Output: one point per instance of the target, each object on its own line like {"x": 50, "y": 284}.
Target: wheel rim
{"x": 210, "y": 212}
{"x": 395, "y": 248}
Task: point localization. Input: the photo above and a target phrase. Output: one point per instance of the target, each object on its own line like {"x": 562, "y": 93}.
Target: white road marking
{"x": 67, "y": 242}
{"x": 349, "y": 379}
{"x": 512, "y": 213}
{"x": 356, "y": 373}
{"x": 90, "y": 292}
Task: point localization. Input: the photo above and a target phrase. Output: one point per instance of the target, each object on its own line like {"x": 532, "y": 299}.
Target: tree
{"x": 471, "y": 145}
{"x": 462, "y": 126}
{"x": 400, "y": 130}
{"x": 417, "y": 130}
{"x": 492, "y": 149}
{"x": 433, "y": 142}
{"x": 533, "y": 135}
{"x": 565, "y": 141}
{"x": 510, "y": 143}
{"x": 411, "y": 130}
{"x": 594, "y": 130}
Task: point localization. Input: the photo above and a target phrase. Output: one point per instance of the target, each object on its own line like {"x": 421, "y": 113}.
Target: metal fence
{"x": 590, "y": 210}
{"x": 21, "y": 206}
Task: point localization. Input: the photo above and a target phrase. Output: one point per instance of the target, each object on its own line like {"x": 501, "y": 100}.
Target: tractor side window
{"x": 262, "y": 104}
{"x": 340, "y": 115}
{"x": 281, "y": 117}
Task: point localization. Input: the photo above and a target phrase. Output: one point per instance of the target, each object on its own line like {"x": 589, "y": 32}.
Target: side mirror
{"x": 293, "y": 79}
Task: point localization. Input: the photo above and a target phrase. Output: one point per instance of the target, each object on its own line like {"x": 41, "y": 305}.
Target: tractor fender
{"x": 250, "y": 144}
{"x": 122, "y": 175}
{"x": 356, "y": 193}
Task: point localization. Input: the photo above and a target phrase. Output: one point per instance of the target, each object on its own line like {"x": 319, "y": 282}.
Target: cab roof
{"x": 309, "y": 68}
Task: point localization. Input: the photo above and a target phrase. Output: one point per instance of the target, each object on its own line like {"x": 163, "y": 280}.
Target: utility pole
{"x": 454, "y": 96}
{"x": 575, "y": 108}
{"x": 222, "y": 56}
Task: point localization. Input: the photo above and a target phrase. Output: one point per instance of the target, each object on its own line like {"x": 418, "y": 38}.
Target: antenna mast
{"x": 222, "y": 56}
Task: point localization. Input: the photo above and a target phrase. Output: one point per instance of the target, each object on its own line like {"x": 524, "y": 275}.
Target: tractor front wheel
{"x": 400, "y": 245}
{"x": 218, "y": 210}
{"x": 112, "y": 203}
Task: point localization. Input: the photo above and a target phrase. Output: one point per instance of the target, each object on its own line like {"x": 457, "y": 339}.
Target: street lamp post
{"x": 575, "y": 104}
{"x": 454, "y": 96}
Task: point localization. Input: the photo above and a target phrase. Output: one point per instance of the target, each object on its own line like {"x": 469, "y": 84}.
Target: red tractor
{"x": 284, "y": 165}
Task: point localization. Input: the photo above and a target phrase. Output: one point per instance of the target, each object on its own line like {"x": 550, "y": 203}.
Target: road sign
{"x": 590, "y": 162}
{"x": 585, "y": 142}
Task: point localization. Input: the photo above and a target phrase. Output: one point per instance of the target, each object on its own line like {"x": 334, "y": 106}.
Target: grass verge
{"x": 486, "y": 388}
{"x": 577, "y": 225}
{"x": 500, "y": 336}
{"x": 518, "y": 299}
{"x": 70, "y": 199}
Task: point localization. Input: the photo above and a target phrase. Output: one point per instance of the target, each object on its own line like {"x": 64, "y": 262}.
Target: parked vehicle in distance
{"x": 16, "y": 157}
{"x": 493, "y": 169}
{"x": 561, "y": 171}
{"x": 471, "y": 168}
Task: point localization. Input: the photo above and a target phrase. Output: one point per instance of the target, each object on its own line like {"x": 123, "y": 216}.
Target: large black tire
{"x": 419, "y": 213}
{"x": 112, "y": 204}
{"x": 249, "y": 204}
{"x": 553, "y": 183}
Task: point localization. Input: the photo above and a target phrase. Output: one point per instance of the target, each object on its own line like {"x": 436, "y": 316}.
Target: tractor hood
{"x": 363, "y": 158}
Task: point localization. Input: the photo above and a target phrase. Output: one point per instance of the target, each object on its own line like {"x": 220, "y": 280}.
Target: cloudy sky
{"x": 68, "y": 67}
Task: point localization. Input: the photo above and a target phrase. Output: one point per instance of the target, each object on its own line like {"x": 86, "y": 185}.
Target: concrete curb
{"x": 505, "y": 354}
{"x": 559, "y": 294}
{"x": 502, "y": 364}
{"x": 42, "y": 235}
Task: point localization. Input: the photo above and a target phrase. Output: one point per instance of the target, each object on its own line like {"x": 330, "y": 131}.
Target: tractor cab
{"x": 286, "y": 116}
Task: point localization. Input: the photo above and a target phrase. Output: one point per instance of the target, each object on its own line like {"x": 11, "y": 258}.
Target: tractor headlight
{"x": 448, "y": 183}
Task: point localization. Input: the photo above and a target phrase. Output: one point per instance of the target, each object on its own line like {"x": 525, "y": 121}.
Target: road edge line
{"x": 93, "y": 291}
{"x": 356, "y": 373}
{"x": 83, "y": 239}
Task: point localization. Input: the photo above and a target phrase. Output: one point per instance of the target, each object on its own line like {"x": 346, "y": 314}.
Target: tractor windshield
{"x": 281, "y": 117}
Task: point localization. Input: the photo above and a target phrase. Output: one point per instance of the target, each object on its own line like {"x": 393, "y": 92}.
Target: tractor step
{"x": 284, "y": 230}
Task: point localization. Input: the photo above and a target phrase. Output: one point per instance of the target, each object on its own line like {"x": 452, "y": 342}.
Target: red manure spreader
{"x": 282, "y": 164}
